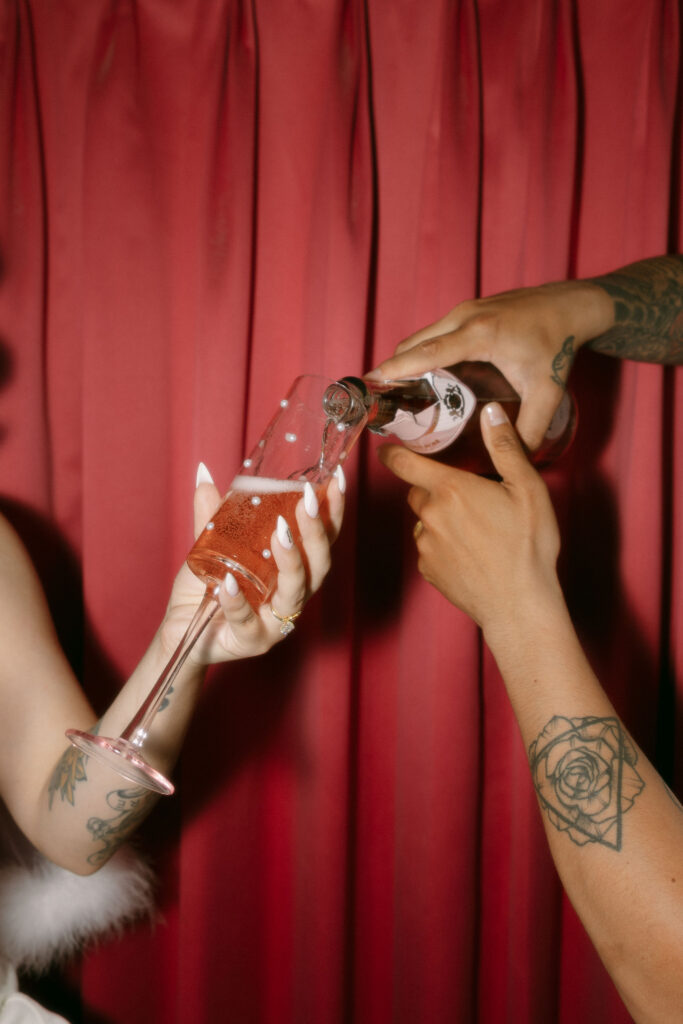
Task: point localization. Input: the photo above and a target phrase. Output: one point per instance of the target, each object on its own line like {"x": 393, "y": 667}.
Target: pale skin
{"x": 533, "y": 334}
{"x": 74, "y": 810}
{"x": 615, "y": 830}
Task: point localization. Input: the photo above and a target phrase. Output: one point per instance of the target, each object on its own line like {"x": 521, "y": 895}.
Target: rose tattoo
{"x": 585, "y": 777}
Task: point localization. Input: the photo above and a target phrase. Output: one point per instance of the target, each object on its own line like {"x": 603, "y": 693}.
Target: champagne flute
{"x": 313, "y": 431}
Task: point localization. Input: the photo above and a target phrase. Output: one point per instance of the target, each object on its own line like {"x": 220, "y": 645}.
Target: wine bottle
{"x": 435, "y": 414}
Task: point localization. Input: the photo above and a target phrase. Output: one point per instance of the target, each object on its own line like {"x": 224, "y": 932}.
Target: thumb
{"x": 503, "y": 444}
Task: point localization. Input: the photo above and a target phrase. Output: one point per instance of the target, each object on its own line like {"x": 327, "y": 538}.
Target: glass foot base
{"x": 123, "y": 757}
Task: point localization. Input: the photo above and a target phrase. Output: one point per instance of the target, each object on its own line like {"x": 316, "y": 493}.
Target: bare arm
{"x": 533, "y": 334}
{"x": 614, "y": 830}
{"x": 76, "y": 811}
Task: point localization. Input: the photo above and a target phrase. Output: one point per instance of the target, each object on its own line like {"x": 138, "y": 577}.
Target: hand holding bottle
{"x": 489, "y": 547}
{"x": 437, "y": 414}
{"x": 531, "y": 335}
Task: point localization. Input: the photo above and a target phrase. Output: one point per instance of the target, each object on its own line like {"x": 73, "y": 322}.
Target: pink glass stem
{"x": 137, "y": 729}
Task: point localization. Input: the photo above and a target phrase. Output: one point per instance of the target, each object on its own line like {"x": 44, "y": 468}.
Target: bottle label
{"x": 437, "y": 426}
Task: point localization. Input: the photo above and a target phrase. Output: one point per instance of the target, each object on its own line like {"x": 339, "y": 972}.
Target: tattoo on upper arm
{"x": 585, "y": 777}
{"x": 562, "y": 363}
{"x": 648, "y": 311}
{"x": 131, "y": 807}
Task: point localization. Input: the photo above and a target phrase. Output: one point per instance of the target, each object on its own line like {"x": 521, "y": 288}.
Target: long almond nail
{"x": 310, "y": 501}
{"x": 231, "y": 585}
{"x": 203, "y": 475}
{"x": 341, "y": 479}
{"x": 284, "y": 534}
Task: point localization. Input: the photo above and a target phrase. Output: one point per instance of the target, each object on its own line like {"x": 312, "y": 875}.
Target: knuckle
{"x": 443, "y": 499}
{"x": 481, "y": 322}
{"x": 401, "y": 460}
{"x": 505, "y": 441}
{"x": 430, "y": 347}
{"x": 461, "y": 313}
{"x": 427, "y": 518}
{"x": 532, "y": 489}
{"x": 414, "y": 498}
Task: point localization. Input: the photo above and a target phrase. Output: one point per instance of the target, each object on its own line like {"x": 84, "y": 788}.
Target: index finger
{"x": 412, "y": 468}
{"x": 430, "y": 353}
{"x": 504, "y": 445}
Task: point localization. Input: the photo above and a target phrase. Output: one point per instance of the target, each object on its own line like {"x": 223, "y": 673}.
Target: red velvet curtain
{"x": 201, "y": 199}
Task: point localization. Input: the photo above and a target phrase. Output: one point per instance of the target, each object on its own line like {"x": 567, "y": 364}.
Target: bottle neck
{"x": 382, "y": 400}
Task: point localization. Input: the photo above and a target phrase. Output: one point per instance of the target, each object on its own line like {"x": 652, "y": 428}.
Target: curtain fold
{"x": 202, "y": 200}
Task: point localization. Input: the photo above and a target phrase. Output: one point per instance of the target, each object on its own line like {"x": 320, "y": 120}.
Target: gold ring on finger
{"x": 286, "y": 621}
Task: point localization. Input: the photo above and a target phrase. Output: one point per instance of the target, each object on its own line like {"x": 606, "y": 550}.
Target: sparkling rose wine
{"x": 237, "y": 539}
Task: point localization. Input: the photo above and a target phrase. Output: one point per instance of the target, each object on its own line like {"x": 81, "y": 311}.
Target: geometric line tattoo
{"x": 585, "y": 778}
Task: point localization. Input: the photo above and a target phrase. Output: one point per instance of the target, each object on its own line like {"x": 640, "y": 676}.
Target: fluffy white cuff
{"x": 47, "y": 913}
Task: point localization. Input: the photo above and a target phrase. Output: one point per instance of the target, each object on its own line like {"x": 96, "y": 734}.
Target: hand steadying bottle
{"x": 434, "y": 414}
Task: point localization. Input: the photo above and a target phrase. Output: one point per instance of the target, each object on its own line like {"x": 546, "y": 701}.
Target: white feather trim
{"x": 47, "y": 913}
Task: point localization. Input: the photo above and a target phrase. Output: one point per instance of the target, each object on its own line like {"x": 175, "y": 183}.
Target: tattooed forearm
{"x": 585, "y": 777}
{"x": 648, "y": 311}
{"x": 69, "y": 770}
{"x": 167, "y": 699}
{"x": 562, "y": 363}
{"x": 131, "y": 807}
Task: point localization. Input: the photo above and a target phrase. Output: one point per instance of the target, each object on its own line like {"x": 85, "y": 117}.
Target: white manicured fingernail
{"x": 231, "y": 585}
{"x": 310, "y": 501}
{"x": 341, "y": 479}
{"x": 496, "y": 414}
{"x": 203, "y": 475}
{"x": 284, "y": 534}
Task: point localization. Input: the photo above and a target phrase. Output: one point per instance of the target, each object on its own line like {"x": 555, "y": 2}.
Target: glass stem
{"x": 137, "y": 729}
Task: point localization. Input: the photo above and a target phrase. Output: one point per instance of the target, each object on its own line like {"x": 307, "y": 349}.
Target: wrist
{"x": 529, "y": 617}
{"x": 585, "y": 310}
{"x": 164, "y": 645}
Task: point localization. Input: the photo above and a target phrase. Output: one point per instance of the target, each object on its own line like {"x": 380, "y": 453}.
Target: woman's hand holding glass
{"x": 240, "y": 631}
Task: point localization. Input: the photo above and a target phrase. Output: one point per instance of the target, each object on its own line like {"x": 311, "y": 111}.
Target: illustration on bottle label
{"x": 437, "y": 426}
